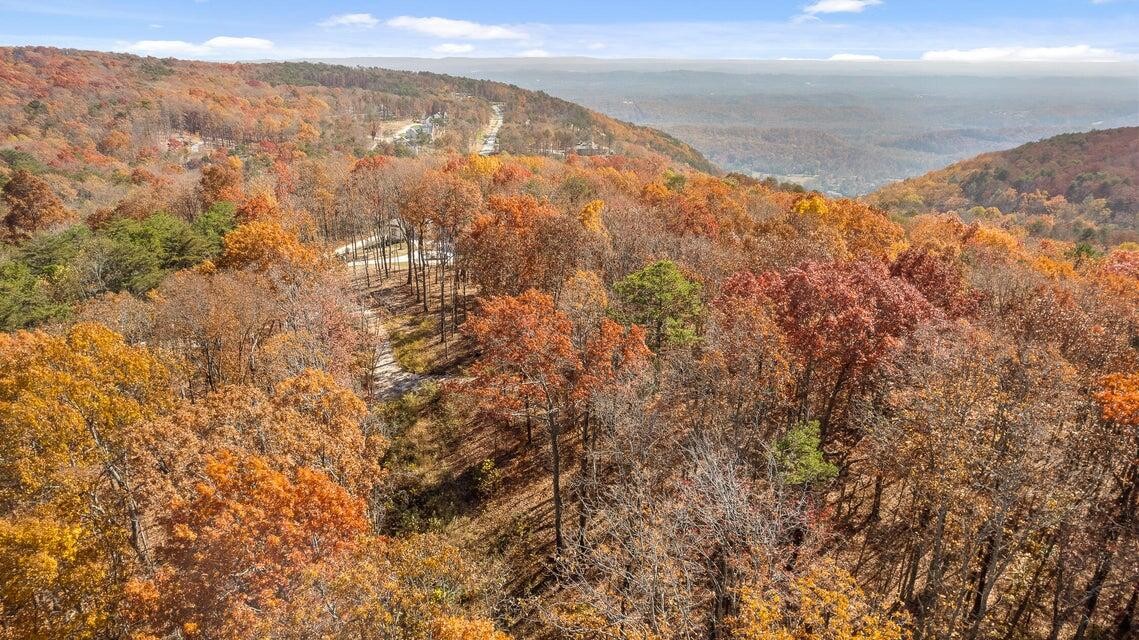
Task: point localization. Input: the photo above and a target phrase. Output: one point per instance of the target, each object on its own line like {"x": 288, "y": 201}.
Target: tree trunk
{"x": 1125, "y": 515}
{"x": 556, "y": 455}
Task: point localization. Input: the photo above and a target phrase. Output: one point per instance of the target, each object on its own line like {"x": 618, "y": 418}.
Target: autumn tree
{"x": 446, "y": 203}
{"x": 840, "y": 320}
{"x": 31, "y": 205}
{"x": 526, "y": 364}
{"x": 239, "y": 549}
{"x": 261, "y": 246}
{"x": 377, "y": 186}
{"x": 70, "y": 517}
{"x": 706, "y": 206}
{"x": 415, "y": 587}
{"x": 742, "y": 376}
{"x": 940, "y": 278}
{"x": 503, "y": 246}
{"x": 261, "y": 206}
{"x": 222, "y": 181}
{"x": 308, "y": 421}
{"x": 584, "y": 299}
{"x": 865, "y": 232}
{"x": 823, "y": 604}
{"x": 1118, "y": 400}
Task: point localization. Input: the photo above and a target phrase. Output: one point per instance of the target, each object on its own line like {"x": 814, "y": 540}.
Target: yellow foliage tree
{"x": 824, "y": 604}
{"x": 590, "y": 217}
{"x": 70, "y": 519}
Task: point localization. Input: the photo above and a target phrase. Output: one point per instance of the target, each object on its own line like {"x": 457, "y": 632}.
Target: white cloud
{"x": 1076, "y": 53}
{"x": 450, "y": 47}
{"x": 230, "y": 42}
{"x": 358, "y": 20}
{"x": 839, "y": 6}
{"x": 596, "y": 46}
{"x": 447, "y": 28}
{"x": 219, "y": 44}
{"x": 534, "y": 53}
{"x": 853, "y": 57}
{"x": 166, "y": 47}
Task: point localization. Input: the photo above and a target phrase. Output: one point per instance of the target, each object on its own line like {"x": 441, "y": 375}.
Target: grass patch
{"x": 412, "y": 347}
{"x": 399, "y": 415}
{"x": 425, "y": 495}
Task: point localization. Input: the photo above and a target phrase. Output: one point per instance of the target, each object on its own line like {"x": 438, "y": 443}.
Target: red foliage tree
{"x": 840, "y": 320}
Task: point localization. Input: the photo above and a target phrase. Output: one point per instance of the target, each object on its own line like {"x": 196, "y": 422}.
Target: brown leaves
{"x": 31, "y": 204}
{"x": 222, "y": 181}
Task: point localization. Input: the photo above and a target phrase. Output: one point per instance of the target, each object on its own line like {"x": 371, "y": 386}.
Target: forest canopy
{"x": 292, "y": 388}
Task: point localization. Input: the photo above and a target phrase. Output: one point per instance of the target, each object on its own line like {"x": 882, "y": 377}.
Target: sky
{"x": 954, "y": 30}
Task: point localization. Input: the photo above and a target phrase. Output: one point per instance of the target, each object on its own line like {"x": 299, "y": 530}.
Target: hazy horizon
{"x": 845, "y": 127}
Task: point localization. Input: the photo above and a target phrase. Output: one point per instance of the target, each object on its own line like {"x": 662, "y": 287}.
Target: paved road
{"x": 490, "y": 139}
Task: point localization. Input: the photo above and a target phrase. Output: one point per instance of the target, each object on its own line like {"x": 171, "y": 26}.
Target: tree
{"x": 261, "y": 246}
{"x": 503, "y": 246}
{"x": 584, "y": 299}
{"x": 414, "y": 587}
{"x": 308, "y": 421}
{"x": 1118, "y": 399}
{"x": 31, "y": 204}
{"x": 222, "y": 181}
{"x": 840, "y": 320}
{"x": 71, "y": 521}
{"x": 448, "y": 203}
{"x": 799, "y": 459}
{"x": 526, "y": 364}
{"x": 940, "y": 278}
{"x": 866, "y": 232}
{"x": 824, "y": 604}
{"x": 219, "y": 323}
{"x": 239, "y": 550}
{"x": 259, "y": 207}
{"x": 706, "y": 206}
{"x": 742, "y": 377}
{"x": 664, "y": 301}
{"x": 57, "y": 583}
{"x": 590, "y": 217}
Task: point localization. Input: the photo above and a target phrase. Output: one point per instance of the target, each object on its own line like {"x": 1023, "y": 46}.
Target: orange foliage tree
{"x": 222, "y": 181}
{"x": 261, "y": 246}
{"x": 240, "y": 548}
{"x": 529, "y": 366}
{"x": 31, "y": 205}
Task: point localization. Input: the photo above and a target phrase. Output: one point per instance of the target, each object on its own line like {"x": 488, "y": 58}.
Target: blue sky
{"x": 971, "y": 30}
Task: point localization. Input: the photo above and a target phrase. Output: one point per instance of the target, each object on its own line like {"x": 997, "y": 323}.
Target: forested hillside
{"x": 1076, "y": 186}
{"x": 94, "y": 117}
{"x": 289, "y": 388}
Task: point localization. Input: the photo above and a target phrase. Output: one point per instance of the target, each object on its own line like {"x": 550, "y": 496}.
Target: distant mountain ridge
{"x": 69, "y": 110}
{"x": 1077, "y": 186}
